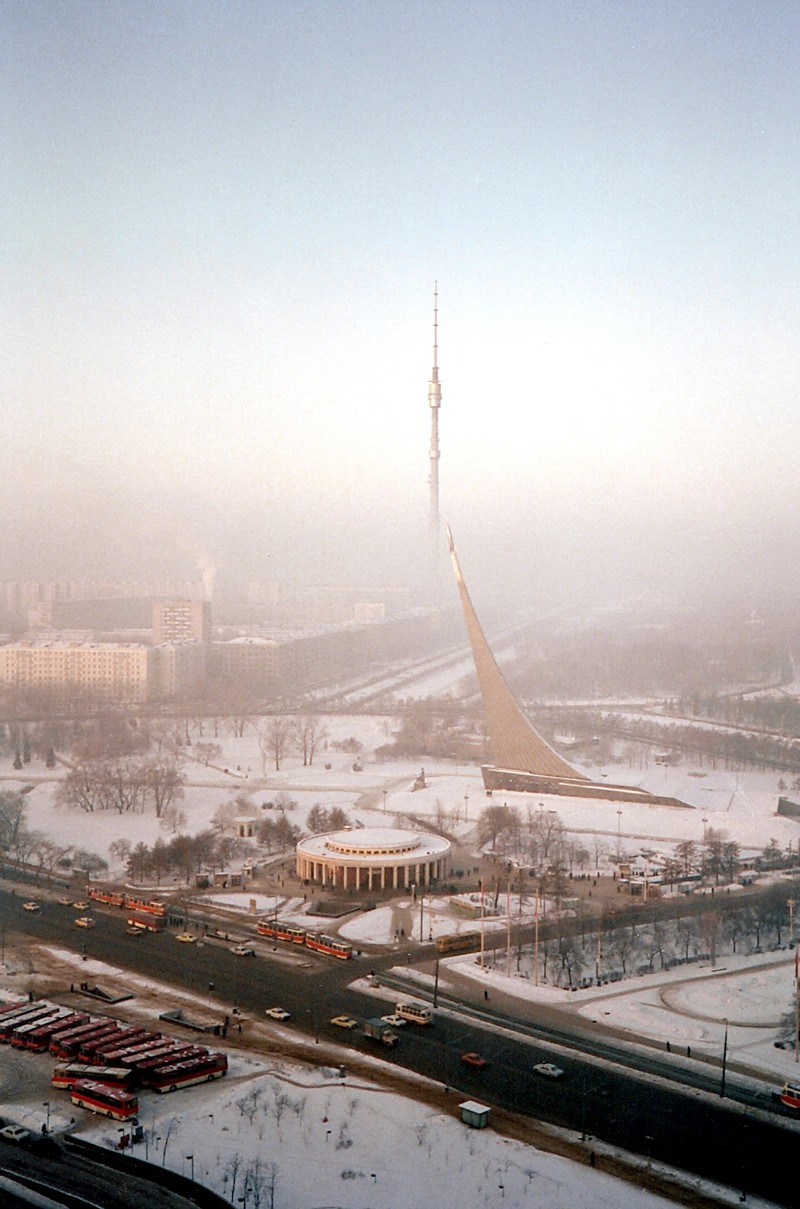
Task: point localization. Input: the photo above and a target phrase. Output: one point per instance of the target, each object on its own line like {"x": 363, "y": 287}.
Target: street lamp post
{"x": 190, "y": 1158}
{"x": 619, "y": 832}
{"x": 384, "y": 801}
{"x": 46, "y": 1104}
{"x": 724, "y": 1060}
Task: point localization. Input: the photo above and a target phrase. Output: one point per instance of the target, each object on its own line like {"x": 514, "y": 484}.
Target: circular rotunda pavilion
{"x": 373, "y": 858}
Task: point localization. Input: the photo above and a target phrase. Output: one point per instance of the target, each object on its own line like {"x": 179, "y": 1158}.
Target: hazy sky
{"x": 221, "y": 226}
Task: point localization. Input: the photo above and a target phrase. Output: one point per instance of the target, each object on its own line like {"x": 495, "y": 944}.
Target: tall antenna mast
{"x": 435, "y": 402}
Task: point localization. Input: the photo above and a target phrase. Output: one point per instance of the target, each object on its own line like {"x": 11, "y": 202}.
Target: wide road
{"x": 698, "y": 1130}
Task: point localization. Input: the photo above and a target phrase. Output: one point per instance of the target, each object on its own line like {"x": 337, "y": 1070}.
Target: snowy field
{"x": 742, "y": 804}
{"x": 302, "y": 1136}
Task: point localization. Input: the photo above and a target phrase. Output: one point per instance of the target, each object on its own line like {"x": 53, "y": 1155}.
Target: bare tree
{"x": 207, "y": 752}
{"x": 274, "y": 741}
{"x": 163, "y": 783}
{"x": 48, "y": 854}
{"x": 308, "y": 731}
{"x": 173, "y": 819}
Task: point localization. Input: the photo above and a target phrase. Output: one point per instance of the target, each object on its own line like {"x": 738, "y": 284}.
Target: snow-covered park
{"x": 743, "y": 804}
{"x": 269, "y": 1117}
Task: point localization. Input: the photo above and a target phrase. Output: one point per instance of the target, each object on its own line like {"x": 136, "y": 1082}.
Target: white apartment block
{"x": 93, "y": 671}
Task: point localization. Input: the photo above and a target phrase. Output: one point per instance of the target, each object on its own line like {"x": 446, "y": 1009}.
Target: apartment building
{"x": 76, "y": 670}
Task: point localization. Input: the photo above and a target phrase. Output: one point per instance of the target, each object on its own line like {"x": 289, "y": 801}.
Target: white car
{"x": 243, "y": 951}
{"x": 394, "y": 1020}
{"x": 14, "y": 1133}
{"x": 277, "y": 1013}
{"x": 84, "y": 921}
{"x": 31, "y": 907}
{"x": 549, "y": 1070}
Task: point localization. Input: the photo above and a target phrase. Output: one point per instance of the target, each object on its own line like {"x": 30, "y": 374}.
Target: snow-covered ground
{"x": 307, "y": 1136}
{"x": 364, "y": 1141}
{"x": 742, "y": 804}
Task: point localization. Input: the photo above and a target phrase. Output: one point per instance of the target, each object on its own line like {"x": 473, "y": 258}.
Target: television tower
{"x": 434, "y": 402}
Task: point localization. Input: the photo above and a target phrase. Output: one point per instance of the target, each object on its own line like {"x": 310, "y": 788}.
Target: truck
{"x": 378, "y": 1030}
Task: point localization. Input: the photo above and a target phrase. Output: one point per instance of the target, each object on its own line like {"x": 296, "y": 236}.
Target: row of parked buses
{"x": 102, "y": 1062}
{"x": 332, "y": 945}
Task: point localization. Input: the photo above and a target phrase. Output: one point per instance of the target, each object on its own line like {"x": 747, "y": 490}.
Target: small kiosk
{"x": 474, "y": 1114}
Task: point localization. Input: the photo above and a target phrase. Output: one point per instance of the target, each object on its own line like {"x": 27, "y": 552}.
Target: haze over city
{"x": 222, "y": 225}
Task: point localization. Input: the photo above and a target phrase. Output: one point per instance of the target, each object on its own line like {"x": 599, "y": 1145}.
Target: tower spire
{"x": 434, "y": 402}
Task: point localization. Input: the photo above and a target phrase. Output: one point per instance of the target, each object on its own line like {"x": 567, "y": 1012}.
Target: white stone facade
{"x": 373, "y": 858}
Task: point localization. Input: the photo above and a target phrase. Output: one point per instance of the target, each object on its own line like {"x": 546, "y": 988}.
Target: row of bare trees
{"x": 22, "y": 846}
{"x": 622, "y": 947}
{"x": 127, "y": 784}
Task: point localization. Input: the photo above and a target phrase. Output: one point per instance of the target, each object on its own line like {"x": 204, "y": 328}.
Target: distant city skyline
{"x": 222, "y": 228}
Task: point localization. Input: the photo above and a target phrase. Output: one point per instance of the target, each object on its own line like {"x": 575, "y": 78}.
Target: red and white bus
{"x": 161, "y": 1049}
{"x": 790, "y": 1096}
{"x": 330, "y": 945}
{"x": 67, "y": 1045}
{"x": 124, "y": 1055}
{"x": 69, "y": 1073}
{"x": 279, "y": 931}
{"x": 150, "y": 906}
{"x": 39, "y": 1040}
{"x": 7, "y": 1008}
{"x": 147, "y": 923}
{"x": 181, "y": 1053}
{"x": 122, "y": 1039}
{"x": 25, "y": 1025}
{"x": 184, "y": 1074}
{"x": 99, "y": 1097}
{"x": 31, "y": 1011}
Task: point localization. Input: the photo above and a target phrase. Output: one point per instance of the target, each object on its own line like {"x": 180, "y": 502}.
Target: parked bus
{"x": 180, "y": 1053}
{"x": 136, "y": 1049}
{"x": 67, "y": 1074}
{"x": 183, "y": 1074}
{"x": 7, "y": 1008}
{"x": 147, "y": 923}
{"x": 161, "y": 1049}
{"x": 123, "y": 1039}
{"x": 280, "y": 931}
{"x": 19, "y": 1034}
{"x": 41, "y": 1016}
{"x": 330, "y": 945}
{"x": 415, "y": 1012}
{"x": 69, "y": 1044}
{"x": 458, "y": 942}
{"x": 39, "y": 1040}
{"x": 99, "y": 1097}
{"x": 31, "y": 1011}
